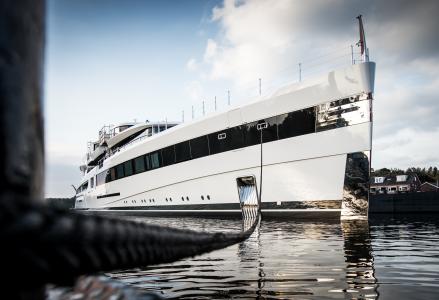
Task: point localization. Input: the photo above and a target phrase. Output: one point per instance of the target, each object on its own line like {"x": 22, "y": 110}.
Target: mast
{"x": 362, "y": 42}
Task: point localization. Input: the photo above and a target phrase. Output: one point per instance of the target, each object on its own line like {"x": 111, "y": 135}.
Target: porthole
{"x": 182, "y": 198}
{"x": 170, "y": 199}
{"x": 149, "y": 200}
{"x": 166, "y": 199}
{"x": 187, "y": 198}
{"x": 202, "y": 197}
{"x": 208, "y": 197}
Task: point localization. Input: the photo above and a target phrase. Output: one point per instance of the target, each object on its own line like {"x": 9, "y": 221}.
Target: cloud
{"x": 192, "y": 64}
{"x": 268, "y": 38}
{"x": 194, "y": 90}
{"x": 211, "y": 50}
{"x": 261, "y": 37}
{"x": 407, "y": 147}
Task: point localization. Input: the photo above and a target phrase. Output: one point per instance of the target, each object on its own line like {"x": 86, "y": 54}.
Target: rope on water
{"x": 41, "y": 244}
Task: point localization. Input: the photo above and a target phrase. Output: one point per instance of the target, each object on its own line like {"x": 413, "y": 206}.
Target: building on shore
{"x": 428, "y": 187}
{"x": 394, "y": 184}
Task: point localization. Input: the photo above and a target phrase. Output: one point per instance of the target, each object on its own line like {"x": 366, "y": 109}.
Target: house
{"x": 428, "y": 187}
{"x": 394, "y": 184}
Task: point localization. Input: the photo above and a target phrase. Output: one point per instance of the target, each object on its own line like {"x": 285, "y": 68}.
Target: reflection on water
{"x": 385, "y": 258}
{"x": 360, "y": 273}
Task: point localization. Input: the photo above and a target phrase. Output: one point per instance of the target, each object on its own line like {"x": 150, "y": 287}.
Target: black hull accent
{"x": 311, "y": 214}
{"x": 108, "y": 195}
{"x": 321, "y": 204}
{"x": 313, "y": 210}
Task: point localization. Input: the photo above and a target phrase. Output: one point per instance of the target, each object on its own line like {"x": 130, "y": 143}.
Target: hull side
{"x": 299, "y": 174}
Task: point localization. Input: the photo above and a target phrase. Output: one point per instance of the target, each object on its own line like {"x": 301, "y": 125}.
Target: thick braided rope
{"x": 41, "y": 244}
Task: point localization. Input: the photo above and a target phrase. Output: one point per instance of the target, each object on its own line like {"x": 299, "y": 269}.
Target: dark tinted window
{"x": 108, "y": 176}
{"x": 112, "y": 174}
{"x": 128, "y": 167}
{"x": 252, "y": 135}
{"x": 219, "y": 142}
{"x": 168, "y": 156}
{"x": 155, "y": 160}
{"x": 119, "y": 171}
{"x": 182, "y": 151}
{"x": 84, "y": 186}
{"x": 268, "y": 128}
{"x": 229, "y": 139}
{"x": 100, "y": 178}
{"x": 297, "y": 123}
{"x": 139, "y": 164}
{"x": 236, "y": 137}
{"x": 199, "y": 146}
{"x": 148, "y": 162}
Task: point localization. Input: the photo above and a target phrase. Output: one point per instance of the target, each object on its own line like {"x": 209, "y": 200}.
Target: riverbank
{"x": 64, "y": 203}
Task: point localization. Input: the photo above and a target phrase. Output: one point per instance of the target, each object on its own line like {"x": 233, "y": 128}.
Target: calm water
{"x": 387, "y": 258}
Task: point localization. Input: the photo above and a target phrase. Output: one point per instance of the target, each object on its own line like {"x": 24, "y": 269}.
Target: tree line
{"x": 429, "y": 174}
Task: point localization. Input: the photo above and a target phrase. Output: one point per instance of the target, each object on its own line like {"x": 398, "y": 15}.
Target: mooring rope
{"x": 41, "y": 244}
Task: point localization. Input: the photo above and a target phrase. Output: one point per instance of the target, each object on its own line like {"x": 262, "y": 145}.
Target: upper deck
{"x": 113, "y": 138}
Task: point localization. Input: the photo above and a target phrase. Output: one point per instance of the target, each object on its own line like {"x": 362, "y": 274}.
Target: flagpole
{"x": 362, "y": 42}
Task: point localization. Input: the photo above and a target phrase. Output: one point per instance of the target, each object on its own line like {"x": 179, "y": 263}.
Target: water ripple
{"x": 390, "y": 258}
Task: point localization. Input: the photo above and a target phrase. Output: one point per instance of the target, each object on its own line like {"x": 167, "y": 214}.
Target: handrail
{"x": 110, "y": 152}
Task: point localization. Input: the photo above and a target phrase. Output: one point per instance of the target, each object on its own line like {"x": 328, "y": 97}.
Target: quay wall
{"x": 421, "y": 202}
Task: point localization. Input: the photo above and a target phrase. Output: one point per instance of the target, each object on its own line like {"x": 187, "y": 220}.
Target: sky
{"x": 109, "y": 61}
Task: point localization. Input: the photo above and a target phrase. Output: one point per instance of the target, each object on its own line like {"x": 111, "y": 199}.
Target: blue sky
{"x": 115, "y": 61}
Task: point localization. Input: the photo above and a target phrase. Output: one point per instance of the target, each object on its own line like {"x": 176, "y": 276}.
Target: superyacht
{"x": 304, "y": 150}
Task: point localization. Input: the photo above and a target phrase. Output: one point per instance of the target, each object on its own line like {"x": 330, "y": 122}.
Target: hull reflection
{"x": 360, "y": 272}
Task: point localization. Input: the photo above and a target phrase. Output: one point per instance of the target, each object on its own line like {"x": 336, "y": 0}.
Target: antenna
{"x": 352, "y": 55}
{"x": 203, "y": 108}
{"x": 228, "y": 96}
{"x": 182, "y": 116}
{"x": 260, "y": 86}
{"x": 362, "y": 42}
{"x": 215, "y": 103}
{"x": 192, "y": 112}
{"x": 300, "y": 72}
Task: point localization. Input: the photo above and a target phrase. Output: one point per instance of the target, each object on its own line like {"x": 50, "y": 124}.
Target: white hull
{"x": 301, "y": 173}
